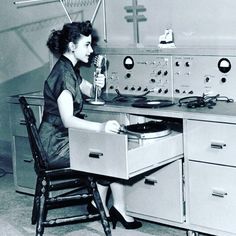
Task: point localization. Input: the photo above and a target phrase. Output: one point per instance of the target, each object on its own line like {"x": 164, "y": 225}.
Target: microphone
{"x": 99, "y": 63}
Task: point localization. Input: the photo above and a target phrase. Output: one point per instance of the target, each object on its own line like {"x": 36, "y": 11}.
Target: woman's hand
{"x": 111, "y": 126}
{"x": 99, "y": 80}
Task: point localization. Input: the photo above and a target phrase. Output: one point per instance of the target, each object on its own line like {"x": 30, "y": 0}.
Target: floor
{"x": 15, "y": 214}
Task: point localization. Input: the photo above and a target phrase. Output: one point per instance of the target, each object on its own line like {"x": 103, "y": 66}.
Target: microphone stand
{"x": 96, "y": 100}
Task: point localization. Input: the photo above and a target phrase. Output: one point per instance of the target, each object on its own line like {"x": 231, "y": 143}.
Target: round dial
{"x": 128, "y": 62}
{"x": 224, "y": 65}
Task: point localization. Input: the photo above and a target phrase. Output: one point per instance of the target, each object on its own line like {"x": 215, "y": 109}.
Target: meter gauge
{"x": 128, "y": 62}
{"x": 224, "y": 65}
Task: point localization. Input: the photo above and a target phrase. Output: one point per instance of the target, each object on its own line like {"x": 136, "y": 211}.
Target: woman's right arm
{"x": 66, "y": 108}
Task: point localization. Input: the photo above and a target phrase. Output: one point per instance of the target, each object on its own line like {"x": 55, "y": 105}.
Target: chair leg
{"x": 35, "y": 210}
{"x": 42, "y": 213}
{"x": 98, "y": 202}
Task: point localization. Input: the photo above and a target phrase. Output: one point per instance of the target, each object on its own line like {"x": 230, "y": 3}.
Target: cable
{"x": 225, "y": 99}
{"x": 202, "y": 101}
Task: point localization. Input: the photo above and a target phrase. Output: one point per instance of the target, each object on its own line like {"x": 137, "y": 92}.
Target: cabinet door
{"x": 212, "y": 196}
{"x": 24, "y": 164}
{"x": 158, "y": 195}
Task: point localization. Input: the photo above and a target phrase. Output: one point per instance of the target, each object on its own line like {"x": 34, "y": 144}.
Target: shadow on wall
{"x": 28, "y": 45}
{"x": 28, "y": 82}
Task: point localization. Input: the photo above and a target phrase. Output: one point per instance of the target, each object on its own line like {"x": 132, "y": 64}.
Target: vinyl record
{"x": 153, "y": 103}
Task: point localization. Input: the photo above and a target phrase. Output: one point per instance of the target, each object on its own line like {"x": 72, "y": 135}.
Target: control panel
{"x": 171, "y": 76}
{"x": 138, "y": 74}
{"x": 198, "y": 75}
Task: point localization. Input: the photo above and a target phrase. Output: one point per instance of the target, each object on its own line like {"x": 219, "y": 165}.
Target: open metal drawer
{"x": 116, "y": 156}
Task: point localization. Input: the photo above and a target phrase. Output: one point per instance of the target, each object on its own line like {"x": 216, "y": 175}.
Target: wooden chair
{"x": 79, "y": 186}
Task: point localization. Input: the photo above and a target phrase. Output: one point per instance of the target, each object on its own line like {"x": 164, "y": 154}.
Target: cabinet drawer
{"x": 113, "y": 155}
{"x": 18, "y": 125}
{"x": 211, "y": 142}
{"x": 212, "y": 196}
{"x": 159, "y": 194}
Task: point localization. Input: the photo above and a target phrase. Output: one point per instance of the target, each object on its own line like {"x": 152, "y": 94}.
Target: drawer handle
{"x": 95, "y": 154}
{"x": 217, "y": 193}
{"x": 150, "y": 181}
{"x": 28, "y": 160}
{"x": 218, "y": 145}
{"x": 22, "y": 122}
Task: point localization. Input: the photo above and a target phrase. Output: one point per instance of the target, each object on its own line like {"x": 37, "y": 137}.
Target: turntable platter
{"x": 147, "y": 130}
{"x": 153, "y": 103}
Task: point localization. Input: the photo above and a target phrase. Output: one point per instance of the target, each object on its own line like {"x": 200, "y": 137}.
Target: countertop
{"x": 221, "y": 112}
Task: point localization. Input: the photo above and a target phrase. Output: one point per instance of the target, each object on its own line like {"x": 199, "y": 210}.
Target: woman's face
{"x": 83, "y": 48}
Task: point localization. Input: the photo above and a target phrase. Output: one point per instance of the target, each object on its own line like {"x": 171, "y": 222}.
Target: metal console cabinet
{"x": 195, "y": 192}
{"x": 212, "y": 176}
{"x": 23, "y": 163}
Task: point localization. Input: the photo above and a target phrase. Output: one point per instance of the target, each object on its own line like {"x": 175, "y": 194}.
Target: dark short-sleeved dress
{"x": 53, "y": 134}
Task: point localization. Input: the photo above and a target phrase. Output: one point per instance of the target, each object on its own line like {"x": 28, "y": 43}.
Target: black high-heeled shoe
{"x": 116, "y": 216}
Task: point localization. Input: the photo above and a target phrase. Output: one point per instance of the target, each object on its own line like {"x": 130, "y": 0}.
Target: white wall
{"x": 201, "y": 23}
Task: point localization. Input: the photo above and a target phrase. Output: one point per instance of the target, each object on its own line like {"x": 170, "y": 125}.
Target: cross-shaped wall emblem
{"x": 135, "y": 17}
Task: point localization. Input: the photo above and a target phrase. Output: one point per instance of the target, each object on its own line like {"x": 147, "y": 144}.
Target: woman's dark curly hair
{"x": 71, "y": 32}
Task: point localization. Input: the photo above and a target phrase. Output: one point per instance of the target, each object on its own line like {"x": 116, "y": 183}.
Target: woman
{"x": 63, "y": 91}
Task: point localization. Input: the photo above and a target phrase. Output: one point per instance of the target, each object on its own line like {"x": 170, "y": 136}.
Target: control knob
{"x": 128, "y": 75}
{"x": 177, "y": 64}
{"x": 223, "y": 80}
{"x": 187, "y": 64}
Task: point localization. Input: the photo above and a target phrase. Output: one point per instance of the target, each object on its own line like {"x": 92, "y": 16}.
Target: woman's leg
{"x": 118, "y": 194}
